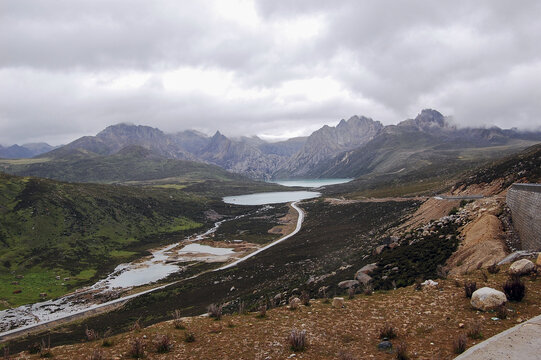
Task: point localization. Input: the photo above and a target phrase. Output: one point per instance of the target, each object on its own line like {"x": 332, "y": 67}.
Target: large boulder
{"x": 363, "y": 278}
{"x": 368, "y": 269}
{"x": 487, "y": 298}
{"x": 346, "y": 284}
{"x": 521, "y": 267}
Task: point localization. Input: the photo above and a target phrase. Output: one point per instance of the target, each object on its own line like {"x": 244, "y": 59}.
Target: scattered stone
{"x": 363, "y": 278}
{"x": 461, "y": 326}
{"x": 232, "y": 288}
{"x": 294, "y": 302}
{"x": 57, "y": 277}
{"x": 338, "y": 302}
{"x": 367, "y": 269}
{"x": 487, "y": 298}
{"x": 385, "y": 345}
{"x": 42, "y": 295}
{"x": 395, "y": 268}
{"x": 379, "y": 249}
{"x": 521, "y": 267}
{"x": 429, "y": 283}
{"x": 19, "y": 276}
{"x": 346, "y": 284}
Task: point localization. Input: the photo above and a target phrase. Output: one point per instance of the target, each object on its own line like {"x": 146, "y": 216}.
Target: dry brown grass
{"x": 355, "y": 328}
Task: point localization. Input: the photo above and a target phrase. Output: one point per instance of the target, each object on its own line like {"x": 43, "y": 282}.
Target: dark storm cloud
{"x": 69, "y": 68}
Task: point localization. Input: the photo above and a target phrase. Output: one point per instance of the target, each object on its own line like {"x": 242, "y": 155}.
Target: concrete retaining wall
{"x": 524, "y": 200}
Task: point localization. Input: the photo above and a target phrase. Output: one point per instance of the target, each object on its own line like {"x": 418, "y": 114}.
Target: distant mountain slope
{"x": 328, "y": 142}
{"x": 24, "y": 151}
{"x": 424, "y": 141}
{"x": 249, "y": 156}
{"x": 132, "y": 163}
{"x": 117, "y": 137}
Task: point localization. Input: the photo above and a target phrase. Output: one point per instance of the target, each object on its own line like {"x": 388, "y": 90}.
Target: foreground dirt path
{"x": 427, "y": 321}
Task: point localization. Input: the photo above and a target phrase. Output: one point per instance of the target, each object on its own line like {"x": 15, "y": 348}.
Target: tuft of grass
{"x": 178, "y": 323}
{"x": 215, "y": 311}
{"x": 514, "y": 289}
{"x": 387, "y": 331}
{"x": 469, "y": 288}
{"x": 262, "y": 311}
{"x": 162, "y": 344}
{"x": 459, "y": 344}
{"x": 297, "y": 340}
{"x": 501, "y": 312}
{"x": 474, "y": 331}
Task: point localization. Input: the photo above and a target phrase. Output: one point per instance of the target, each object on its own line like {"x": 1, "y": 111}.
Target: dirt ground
{"x": 427, "y": 321}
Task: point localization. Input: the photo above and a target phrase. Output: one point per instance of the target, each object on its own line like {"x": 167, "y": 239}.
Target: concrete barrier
{"x": 524, "y": 200}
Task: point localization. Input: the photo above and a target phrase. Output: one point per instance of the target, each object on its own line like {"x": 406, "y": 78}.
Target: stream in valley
{"x": 162, "y": 263}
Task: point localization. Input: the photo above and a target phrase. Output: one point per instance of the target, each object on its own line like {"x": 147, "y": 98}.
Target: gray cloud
{"x": 270, "y": 67}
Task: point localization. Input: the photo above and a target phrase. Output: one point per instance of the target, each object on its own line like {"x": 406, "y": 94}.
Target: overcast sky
{"x": 272, "y": 68}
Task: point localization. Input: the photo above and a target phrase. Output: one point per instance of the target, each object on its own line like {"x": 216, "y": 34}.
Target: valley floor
{"x": 427, "y": 321}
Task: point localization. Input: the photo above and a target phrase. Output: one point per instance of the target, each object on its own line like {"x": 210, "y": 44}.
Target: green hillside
{"x": 131, "y": 163}
{"x": 50, "y": 229}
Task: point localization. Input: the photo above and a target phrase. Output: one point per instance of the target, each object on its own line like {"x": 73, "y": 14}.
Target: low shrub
{"x": 137, "y": 348}
{"x": 305, "y": 298}
{"x": 401, "y": 351}
{"x": 514, "y": 289}
{"x": 493, "y": 269}
{"x": 137, "y": 325}
{"x": 469, "y": 288}
{"x": 91, "y": 334}
{"x": 242, "y": 308}
{"x": 34, "y": 348}
{"x": 459, "y": 344}
{"x": 107, "y": 341}
{"x": 387, "y": 331}
{"x": 189, "y": 337}
{"x": 297, "y": 340}
{"x": 368, "y": 289}
{"x": 162, "y": 344}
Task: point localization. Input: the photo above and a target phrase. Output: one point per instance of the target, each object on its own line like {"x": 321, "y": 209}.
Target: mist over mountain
{"x": 355, "y": 147}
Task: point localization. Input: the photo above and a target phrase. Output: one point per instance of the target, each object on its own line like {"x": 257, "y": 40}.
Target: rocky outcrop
{"x": 521, "y": 267}
{"x": 346, "y": 284}
{"x": 487, "y": 299}
{"x": 328, "y": 142}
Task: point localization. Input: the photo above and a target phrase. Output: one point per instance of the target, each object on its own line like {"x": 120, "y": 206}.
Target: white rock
{"x": 487, "y": 298}
{"x": 429, "y": 283}
{"x": 338, "y": 302}
{"x": 521, "y": 267}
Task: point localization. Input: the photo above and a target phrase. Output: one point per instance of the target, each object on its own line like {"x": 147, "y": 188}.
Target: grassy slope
{"x": 49, "y": 228}
{"x": 132, "y": 163}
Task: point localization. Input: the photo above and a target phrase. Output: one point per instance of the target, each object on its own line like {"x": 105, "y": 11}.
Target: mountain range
{"x": 355, "y": 147}
{"x": 25, "y": 150}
